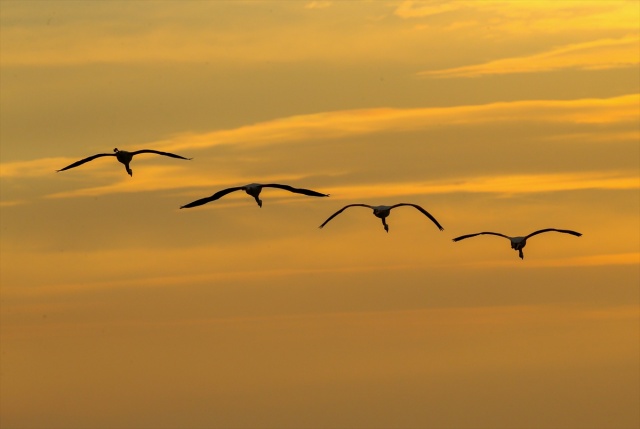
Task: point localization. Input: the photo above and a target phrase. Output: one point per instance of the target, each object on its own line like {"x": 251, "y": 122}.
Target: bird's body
{"x": 123, "y": 156}
{"x": 518, "y": 243}
{"x": 382, "y": 212}
{"x": 253, "y": 189}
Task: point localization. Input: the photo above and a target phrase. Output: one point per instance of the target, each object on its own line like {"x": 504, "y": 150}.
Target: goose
{"x": 518, "y": 243}
{"x": 123, "y": 156}
{"x": 254, "y": 190}
{"x": 383, "y": 211}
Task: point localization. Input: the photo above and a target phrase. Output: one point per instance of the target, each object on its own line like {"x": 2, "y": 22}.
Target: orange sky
{"x": 119, "y": 310}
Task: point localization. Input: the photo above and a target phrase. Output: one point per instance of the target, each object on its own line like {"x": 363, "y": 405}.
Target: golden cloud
{"x": 609, "y": 259}
{"x": 412, "y": 9}
{"x": 351, "y": 123}
{"x": 317, "y": 4}
{"x": 528, "y": 16}
{"x": 30, "y": 37}
{"x": 179, "y": 178}
{"x": 166, "y": 177}
{"x": 32, "y": 168}
{"x": 500, "y": 184}
{"x": 347, "y": 123}
{"x": 597, "y": 54}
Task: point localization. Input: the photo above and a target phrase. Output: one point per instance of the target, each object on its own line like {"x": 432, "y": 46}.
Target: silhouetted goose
{"x": 518, "y": 243}
{"x": 383, "y": 211}
{"x": 254, "y": 190}
{"x": 123, "y": 156}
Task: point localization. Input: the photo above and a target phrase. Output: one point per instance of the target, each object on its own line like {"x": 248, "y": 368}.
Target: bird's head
{"x": 116, "y": 150}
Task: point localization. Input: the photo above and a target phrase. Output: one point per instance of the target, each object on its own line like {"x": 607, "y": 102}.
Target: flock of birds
{"x": 254, "y": 189}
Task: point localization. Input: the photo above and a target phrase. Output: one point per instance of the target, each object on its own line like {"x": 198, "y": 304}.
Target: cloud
{"x": 246, "y": 35}
{"x": 166, "y": 178}
{"x": 632, "y": 258}
{"x": 318, "y": 5}
{"x": 199, "y": 257}
{"x": 524, "y": 17}
{"x": 33, "y": 168}
{"x": 412, "y": 9}
{"x": 180, "y": 178}
{"x": 597, "y": 54}
{"x": 500, "y": 184}
{"x": 350, "y": 123}
{"x": 324, "y": 126}
{"x": 12, "y": 203}
{"x": 232, "y": 33}
{"x": 609, "y": 137}
{"x": 198, "y": 32}
{"x": 596, "y": 260}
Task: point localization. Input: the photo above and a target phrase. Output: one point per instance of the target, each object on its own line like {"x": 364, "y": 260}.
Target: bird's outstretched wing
{"x": 172, "y": 155}
{"x": 296, "y": 190}
{"x": 423, "y": 211}
{"x": 82, "y": 161}
{"x": 343, "y": 209}
{"x": 565, "y": 231}
{"x": 213, "y": 197}
{"x": 462, "y": 237}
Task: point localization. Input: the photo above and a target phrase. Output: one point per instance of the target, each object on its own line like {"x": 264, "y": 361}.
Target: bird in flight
{"x": 254, "y": 190}
{"x": 123, "y": 156}
{"x": 518, "y": 243}
{"x": 382, "y": 212}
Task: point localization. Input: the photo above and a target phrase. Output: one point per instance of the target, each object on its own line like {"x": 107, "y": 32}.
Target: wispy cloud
{"x": 597, "y": 54}
{"x": 317, "y": 4}
{"x": 11, "y": 203}
{"x": 346, "y": 123}
{"x": 33, "y": 168}
{"x": 166, "y": 178}
{"x": 499, "y": 184}
{"x": 605, "y": 259}
{"x": 201, "y": 256}
{"x": 180, "y": 178}
{"x": 632, "y": 258}
{"x": 242, "y": 33}
{"x": 526, "y": 16}
{"x": 413, "y": 9}
{"x": 32, "y": 37}
{"x": 339, "y": 124}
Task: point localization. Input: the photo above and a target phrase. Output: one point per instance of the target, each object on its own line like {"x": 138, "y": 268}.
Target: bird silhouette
{"x": 518, "y": 243}
{"x": 123, "y": 156}
{"x": 254, "y": 190}
{"x": 382, "y": 212}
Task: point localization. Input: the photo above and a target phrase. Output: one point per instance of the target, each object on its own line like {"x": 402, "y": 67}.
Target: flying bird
{"x": 518, "y": 243}
{"x": 123, "y": 156}
{"x": 383, "y": 211}
{"x": 254, "y": 190}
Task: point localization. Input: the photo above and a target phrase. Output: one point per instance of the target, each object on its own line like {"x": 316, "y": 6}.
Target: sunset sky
{"x": 119, "y": 310}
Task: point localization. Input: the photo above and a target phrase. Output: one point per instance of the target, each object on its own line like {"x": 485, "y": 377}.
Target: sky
{"x": 120, "y": 310}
